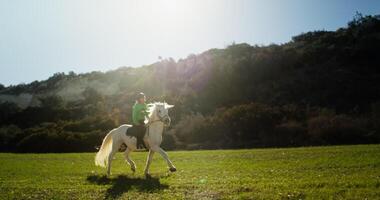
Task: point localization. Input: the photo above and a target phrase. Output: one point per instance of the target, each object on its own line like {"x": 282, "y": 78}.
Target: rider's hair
{"x": 140, "y": 95}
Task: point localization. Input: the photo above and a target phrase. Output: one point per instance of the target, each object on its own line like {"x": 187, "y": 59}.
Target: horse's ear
{"x": 169, "y": 106}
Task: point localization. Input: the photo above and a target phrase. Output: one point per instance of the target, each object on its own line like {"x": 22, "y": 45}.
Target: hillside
{"x": 319, "y": 77}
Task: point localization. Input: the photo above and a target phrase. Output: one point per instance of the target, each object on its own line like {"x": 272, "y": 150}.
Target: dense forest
{"x": 320, "y": 88}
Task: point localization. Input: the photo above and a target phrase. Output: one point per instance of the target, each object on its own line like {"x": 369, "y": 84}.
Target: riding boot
{"x": 140, "y": 136}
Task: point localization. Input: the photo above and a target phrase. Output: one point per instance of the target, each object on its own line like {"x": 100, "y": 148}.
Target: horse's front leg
{"x": 148, "y": 162}
{"x": 172, "y": 168}
{"x": 129, "y": 160}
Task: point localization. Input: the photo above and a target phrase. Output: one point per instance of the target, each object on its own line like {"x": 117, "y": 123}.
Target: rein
{"x": 149, "y": 123}
{"x": 160, "y": 119}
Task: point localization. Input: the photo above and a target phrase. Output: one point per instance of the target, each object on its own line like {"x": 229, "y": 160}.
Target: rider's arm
{"x": 145, "y": 111}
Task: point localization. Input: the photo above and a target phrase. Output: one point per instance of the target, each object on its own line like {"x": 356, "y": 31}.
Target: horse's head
{"x": 160, "y": 112}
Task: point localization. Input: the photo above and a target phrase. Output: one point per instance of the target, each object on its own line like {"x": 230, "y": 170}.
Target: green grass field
{"x": 338, "y": 172}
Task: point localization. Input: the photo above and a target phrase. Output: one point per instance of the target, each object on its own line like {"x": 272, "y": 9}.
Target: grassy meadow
{"x": 335, "y": 172}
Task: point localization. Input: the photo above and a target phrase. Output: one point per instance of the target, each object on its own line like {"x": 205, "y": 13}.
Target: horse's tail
{"x": 101, "y": 157}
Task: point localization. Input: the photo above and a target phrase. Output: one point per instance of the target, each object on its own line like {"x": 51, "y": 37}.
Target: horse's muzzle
{"x": 167, "y": 121}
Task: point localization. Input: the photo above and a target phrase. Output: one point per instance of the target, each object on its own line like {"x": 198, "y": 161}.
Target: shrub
{"x": 290, "y": 133}
{"x": 247, "y": 125}
{"x": 9, "y": 135}
{"x": 189, "y": 128}
{"x": 337, "y": 129}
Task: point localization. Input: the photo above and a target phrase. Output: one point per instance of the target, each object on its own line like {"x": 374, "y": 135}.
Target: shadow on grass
{"x": 122, "y": 184}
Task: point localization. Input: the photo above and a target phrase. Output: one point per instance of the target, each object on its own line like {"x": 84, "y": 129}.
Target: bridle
{"x": 160, "y": 119}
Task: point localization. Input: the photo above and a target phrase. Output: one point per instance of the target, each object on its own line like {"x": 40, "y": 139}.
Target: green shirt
{"x": 139, "y": 112}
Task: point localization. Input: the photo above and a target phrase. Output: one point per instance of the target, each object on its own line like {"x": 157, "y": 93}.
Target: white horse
{"x": 157, "y": 120}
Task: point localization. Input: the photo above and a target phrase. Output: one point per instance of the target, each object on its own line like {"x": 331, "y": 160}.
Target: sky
{"x": 41, "y": 37}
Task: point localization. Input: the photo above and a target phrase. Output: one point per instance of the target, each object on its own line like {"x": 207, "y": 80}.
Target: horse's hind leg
{"x": 129, "y": 160}
{"x": 172, "y": 168}
{"x": 110, "y": 157}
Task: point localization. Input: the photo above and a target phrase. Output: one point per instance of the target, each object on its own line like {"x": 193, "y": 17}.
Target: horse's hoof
{"x": 133, "y": 169}
{"x": 148, "y": 176}
{"x": 172, "y": 169}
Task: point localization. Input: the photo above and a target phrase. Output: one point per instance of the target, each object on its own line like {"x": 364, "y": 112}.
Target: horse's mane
{"x": 152, "y": 107}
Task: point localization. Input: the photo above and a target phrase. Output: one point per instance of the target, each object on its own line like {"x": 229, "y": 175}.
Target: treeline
{"x": 260, "y": 125}
{"x": 55, "y": 126}
{"x": 59, "y": 126}
{"x": 320, "y": 88}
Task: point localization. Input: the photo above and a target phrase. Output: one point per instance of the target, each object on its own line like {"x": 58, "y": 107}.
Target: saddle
{"x": 139, "y": 133}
